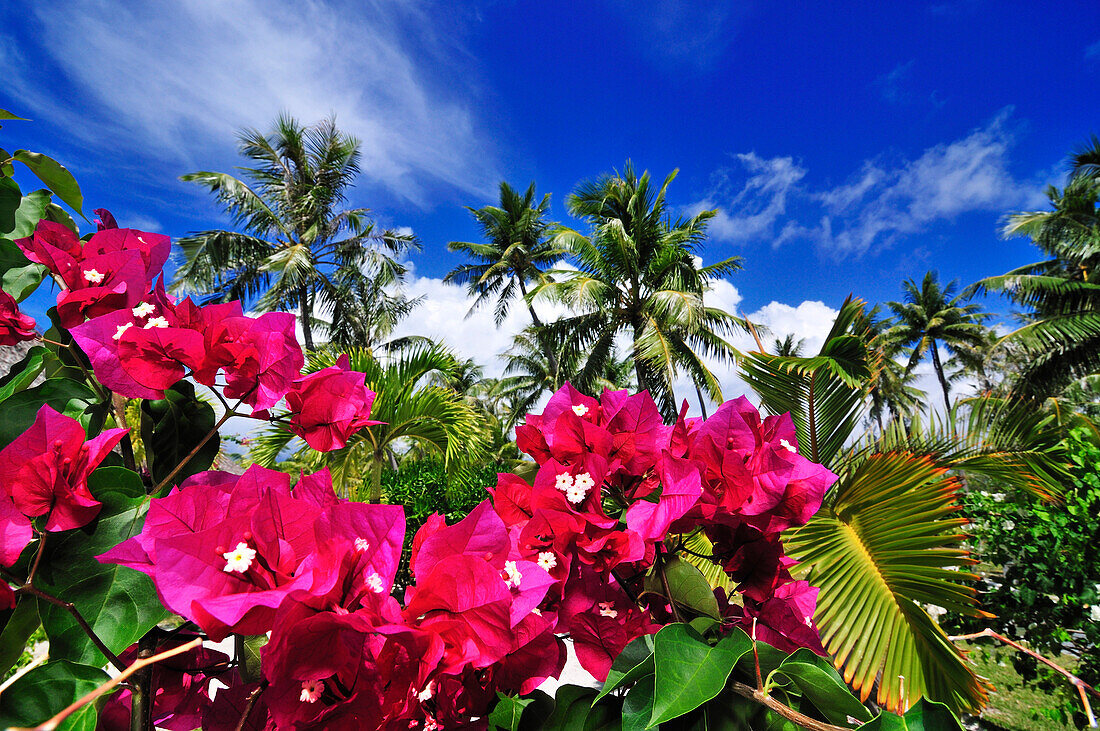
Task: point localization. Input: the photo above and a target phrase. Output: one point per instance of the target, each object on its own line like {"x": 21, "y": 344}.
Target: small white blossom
{"x": 607, "y": 609}
{"x": 787, "y": 445}
{"x": 584, "y": 481}
{"x": 564, "y": 481}
{"x": 374, "y": 583}
{"x": 91, "y": 275}
{"x": 512, "y": 573}
{"x": 361, "y": 544}
{"x": 158, "y": 322}
{"x": 547, "y": 560}
{"x": 425, "y": 695}
{"x": 311, "y": 690}
{"x": 121, "y": 329}
{"x": 580, "y": 409}
{"x": 575, "y": 495}
{"x": 239, "y": 559}
{"x": 144, "y": 309}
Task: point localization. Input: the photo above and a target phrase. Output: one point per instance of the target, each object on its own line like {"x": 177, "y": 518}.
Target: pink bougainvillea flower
{"x": 153, "y": 248}
{"x": 681, "y": 488}
{"x": 100, "y": 284}
{"x": 104, "y": 219}
{"x": 785, "y": 621}
{"x": 7, "y": 596}
{"x": 99, "y": 339}
{"x": 15, "y": 326}
{"x": 260, "y": 356}
{"x": 481, "y": 534}
{"x": 52, "y": 244}
{"x": 158, "y": 357}
{"x": 330, "y": 405}
{"x": 45, "y": 470}
{"x": 15, "y": 530}
{"x": 753, "y": 559}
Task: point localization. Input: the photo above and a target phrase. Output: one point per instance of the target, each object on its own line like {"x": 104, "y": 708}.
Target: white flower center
{"x": 121, "y": 329}
{"x": 512, "y": 574}
{"x": 239, "y": 559}
{"x": 91, "y": 275}
{"x": 584, "y": 481}
{"x": 575, "y": 495}
{"x": 607, "y": 609}
{"x": 787, "y": 445}
{"x": 155, "y": 322}
{"x": 564, "y": 481}
{"x": 547, "y": 560}
{"x": 144, "y": 309}
{"x": 374, "y": 583}
{"x": 425, "y": 695}
{"x": 361, "y": 544}
{"x": 580, "y": 409}
{"x": 311, "y": 690}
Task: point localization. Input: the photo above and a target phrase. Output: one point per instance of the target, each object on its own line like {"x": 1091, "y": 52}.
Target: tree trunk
{"x": 551, "y": 357}
{"x": 376, "y": 479}
{"x": 702, "y": 403}
{"x": 939, "y": 374}
{"x": 303, "y": 303}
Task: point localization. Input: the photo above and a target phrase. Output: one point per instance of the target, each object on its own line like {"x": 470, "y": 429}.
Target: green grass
{"x": 1016, "y": 706}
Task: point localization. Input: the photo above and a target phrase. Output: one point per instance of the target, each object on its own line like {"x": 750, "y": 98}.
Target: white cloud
{"x": 177, "y": 79}
{"x": 760, "y": 202}
{"x": 882, "y": 202}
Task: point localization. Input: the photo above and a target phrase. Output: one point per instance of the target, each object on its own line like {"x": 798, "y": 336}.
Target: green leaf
{"x": 250, "y": 647}
{"x": 688, "y": 586}
{"x": 638, "y": 705}
{"x": 41, "y": 693}
{"x": 20, "y": 275}
{"x": 55, "y": 176}
{"x": 689, "y": 671}
{"x": 23, "y": 373}
{"x": 507, "y": 712}
{"x": 821, "y": 685}
{"x": 120, "y": 604}
{"x": 607, "y": 715}
{"x": 66, "y": 396}
{"x": 634, "y": 662}
{"x": 10, "y": 197}
{"x": 21, "y": 624}
{"x": 572, "y": 703}
{"x": 925, "y": 715}
{"x": 57, "y": 214}
{"x": 116, "y": 487}
{"x": 6, "y": 115}
{"x": 32, "y": 209}
{"x": 171, "y": 427}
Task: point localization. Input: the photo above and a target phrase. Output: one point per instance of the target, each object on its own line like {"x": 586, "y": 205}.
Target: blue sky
{"x": 846, "y": 146}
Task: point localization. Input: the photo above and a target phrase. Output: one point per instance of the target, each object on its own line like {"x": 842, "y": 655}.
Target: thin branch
{"x": 1077, "y": 683}
{"x": 71, "y": 609}
{"x": 786, "y": 712}
{"x": 252, "y": 698}
{"x": 37, "y": 558}
{"x": 664, "y": 583}
{"x": 175, "y": 471}
{"x": 53, "y": 723}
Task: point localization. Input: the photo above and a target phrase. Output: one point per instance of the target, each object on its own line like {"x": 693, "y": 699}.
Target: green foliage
{"x": 47, "y": 689}
{"x": 119, "y": 603}
{"x": 71, "y": 398}
{"x": 172, "y": 427}
{"x": 20, "y": 625}
{"x": 1042, "y": 562}
{"x": 688, "y": 671}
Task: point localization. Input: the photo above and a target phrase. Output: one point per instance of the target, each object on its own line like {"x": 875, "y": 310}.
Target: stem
{"x": 37, "y": 558}
{"x": 1077, "y": 683}
{"x": 175, "y": 471}
{"x": 252, "y": 697}
{"x": 755, "y": 336}
{"x": 786, "y": 712}
{"x": 54, "y": 722}
{"x": 141, "y": 695}
{"x": 118, "y": 402}
{"x": 664, "y": 582}
{"x": 71, "y": 609}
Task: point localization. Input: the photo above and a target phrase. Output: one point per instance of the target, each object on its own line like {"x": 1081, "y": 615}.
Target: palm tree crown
{"x": 298, "y": 250}
{"x": 932, "y": 315}
{"x": 637, "y": 274}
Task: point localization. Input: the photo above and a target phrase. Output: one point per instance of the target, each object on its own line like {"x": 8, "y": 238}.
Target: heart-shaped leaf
{"x": 689, "y": 671}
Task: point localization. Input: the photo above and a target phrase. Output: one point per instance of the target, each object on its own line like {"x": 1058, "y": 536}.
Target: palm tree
{"x": 887, "y": 540}
{"x": 637, "y": 274}
{"x": 297, "y": 249}
{"x": 417, "y": 412}
{"x": 931, "y": 315}
{"x": 517, "y": 251}
{"x": 891, "y": 387}
{"x": 1061, "y": 335}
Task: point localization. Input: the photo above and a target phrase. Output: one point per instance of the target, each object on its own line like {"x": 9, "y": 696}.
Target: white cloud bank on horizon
{"x": 880, "y": 203}
{"x": 178, "y": 79}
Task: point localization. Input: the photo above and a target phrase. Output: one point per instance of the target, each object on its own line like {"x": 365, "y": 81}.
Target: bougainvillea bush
{"x": 135, "y": 570}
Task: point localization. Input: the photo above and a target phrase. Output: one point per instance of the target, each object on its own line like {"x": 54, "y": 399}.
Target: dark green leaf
{"x": 10, "y": 198}
{"x": 55, "y": 176}
{"x": 638, "y": 705}
{"x": 635, "y": 661}
{"x": 57, "y": 214}
{"x": 116, "y": 487}
{"x": 173, "y": 426}
{"x": 119, "y": 603}
{"x": 250, "y": 647}
{"x": 607, "y": 715}
{"x": 821, "y": 685}
{"x": 23, "y": 373}
{"x": 507, "y": 712}
{"x": 925, "y": 715}
{"x": 688, "y": 586}
{"x": 572, "y": 703}
{"x": 689, "y": 671}
{"x": 66, "y": 396}
{"x": 21, "y": 624}
{"x": 41, "y": 693}
{"x": 32, "y": 208}
{"x": 20, "y": 276}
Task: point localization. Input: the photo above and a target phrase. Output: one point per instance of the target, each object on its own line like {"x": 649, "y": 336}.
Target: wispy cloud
{"x": 882, "y": 202}
{"x": 1092, "y": 53}
{"x": 694, "y": 33}
{"x": 179, "y": 78}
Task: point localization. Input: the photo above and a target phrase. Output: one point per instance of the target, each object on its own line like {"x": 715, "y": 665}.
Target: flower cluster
{"x": 15, "y": 326}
